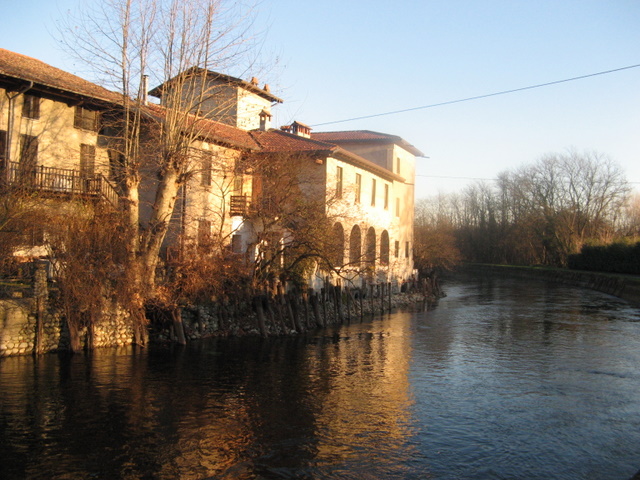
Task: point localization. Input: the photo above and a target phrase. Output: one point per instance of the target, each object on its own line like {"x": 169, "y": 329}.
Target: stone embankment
{"x": 626, "y": 287}
{"x": 30, "y": 323}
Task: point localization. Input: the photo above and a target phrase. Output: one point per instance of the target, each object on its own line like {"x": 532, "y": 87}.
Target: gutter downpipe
{"x": 10, "y": 121}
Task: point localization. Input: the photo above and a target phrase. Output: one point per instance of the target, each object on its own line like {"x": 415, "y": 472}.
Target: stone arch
{"x": 370, "y": 248}
{"x": 337, "y": 245}
{"x": 355, "y": 246}
{"x": 384, "y": 248}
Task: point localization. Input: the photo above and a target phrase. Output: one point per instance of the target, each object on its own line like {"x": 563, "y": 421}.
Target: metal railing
{"x": 61, "y": 180}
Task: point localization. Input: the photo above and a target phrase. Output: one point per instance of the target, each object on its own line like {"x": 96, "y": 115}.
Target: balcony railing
{"x": 62, "y": 181}
{"x": 239, "y": 205}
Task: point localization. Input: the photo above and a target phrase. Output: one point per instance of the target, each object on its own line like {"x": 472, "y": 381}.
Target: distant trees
{"x": 543, "y": 212}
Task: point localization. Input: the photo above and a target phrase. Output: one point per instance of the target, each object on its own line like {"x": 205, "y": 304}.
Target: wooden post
{"x": 337, "y": 290}
{"x": 389, "y": 291}
{"x": 382, "y": 298}
{"x": 360, "y": 297}
{"x": 348, "y": 297}
{"x": 293, "y": 311}
{"x": 40, "y": 292}
{"x": 258, "y": 307}
{"x": 316, "y": 310}
{"x": 178, "y": 325}
{"x": 371, "y": 298}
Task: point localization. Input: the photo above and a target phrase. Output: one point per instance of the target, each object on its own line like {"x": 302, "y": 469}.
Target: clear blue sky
{"x": 345, "y": 59}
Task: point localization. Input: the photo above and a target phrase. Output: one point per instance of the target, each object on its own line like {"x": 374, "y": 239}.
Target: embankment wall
{"x": 626, "y": 287}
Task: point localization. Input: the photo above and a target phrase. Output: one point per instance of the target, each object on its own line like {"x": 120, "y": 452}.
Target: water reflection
{"x": 503, "y": 380}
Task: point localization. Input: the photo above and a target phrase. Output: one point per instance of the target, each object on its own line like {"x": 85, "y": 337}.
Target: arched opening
{"x": 355, "y": 246}
{"x": 336, "y": 245}
{"x": 384, "y": 248}
{"x": 370, "y": 249}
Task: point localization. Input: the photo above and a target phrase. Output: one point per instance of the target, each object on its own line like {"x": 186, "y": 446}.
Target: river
{"x": 503, "y": 379}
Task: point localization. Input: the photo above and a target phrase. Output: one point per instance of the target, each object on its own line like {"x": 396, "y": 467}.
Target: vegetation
{"x": 539, "y": 214}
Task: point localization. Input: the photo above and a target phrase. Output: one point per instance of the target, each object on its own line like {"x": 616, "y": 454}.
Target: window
{"x": 236, "y": 243}
{"x": 31, "y": 107}
{"x": 373, "y": 192}
{"x": 339, "y": 182}
{"x": 87, "y": 160}
{"x": 238, "y": 184}
{"x": 28, "y": 151}
{"x": 384, "y": 248}
{"x": 3, "y": 144}
{"x": 397, "y": 206}
{"x": 398, "y": 165}
{"x": 396, "y": 249}
{"x": 406, "y": 249}
{"x": 85, "y": 119}
{"x": 386, "y": 196}
{"x": 205, "y": 180}
{"x": 358, "y": 187}
{"x": 204, "y": 232}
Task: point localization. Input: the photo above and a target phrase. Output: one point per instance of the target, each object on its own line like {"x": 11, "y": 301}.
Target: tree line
{"x": 543, "y": 213}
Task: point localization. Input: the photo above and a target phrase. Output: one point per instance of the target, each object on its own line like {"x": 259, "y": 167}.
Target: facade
{"x": 51, "y": 139}
{"x": 49, "y": 122}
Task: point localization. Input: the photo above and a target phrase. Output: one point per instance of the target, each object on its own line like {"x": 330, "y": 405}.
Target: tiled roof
{"x": 280, "y": 141}
{"x": 19, "y": 66}
{"x": 365, "y": 136}
{"x": 353, "y": 136}
{"x": 274, "y": 141}
{"x": 250, "y": 86}
{"x": 213, "y": 131}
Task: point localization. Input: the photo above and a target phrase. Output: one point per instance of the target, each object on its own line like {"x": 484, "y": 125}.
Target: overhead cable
{"x": 478, "y": 97}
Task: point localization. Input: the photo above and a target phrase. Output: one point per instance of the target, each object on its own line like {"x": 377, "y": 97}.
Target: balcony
{"x": 61, "y": 181}
{"x": 239, "y": 205}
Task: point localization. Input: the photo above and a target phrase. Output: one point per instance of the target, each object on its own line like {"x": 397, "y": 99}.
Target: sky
{"x": 333, "y": 60}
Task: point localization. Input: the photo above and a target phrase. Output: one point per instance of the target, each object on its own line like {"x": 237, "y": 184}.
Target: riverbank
{"x": 626, "y": 287}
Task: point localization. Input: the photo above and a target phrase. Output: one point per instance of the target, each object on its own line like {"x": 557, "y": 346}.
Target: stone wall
{"x": 18, "y": 326}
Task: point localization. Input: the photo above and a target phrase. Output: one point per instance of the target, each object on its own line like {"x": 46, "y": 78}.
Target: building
{"x": 51, "y": 139}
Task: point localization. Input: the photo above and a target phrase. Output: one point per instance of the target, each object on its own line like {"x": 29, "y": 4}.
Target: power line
{"x": 451, "y": 177}
{"x": 478, "y": 97}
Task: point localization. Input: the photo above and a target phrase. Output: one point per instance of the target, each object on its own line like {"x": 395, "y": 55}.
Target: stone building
{"x": 51, "y": 139}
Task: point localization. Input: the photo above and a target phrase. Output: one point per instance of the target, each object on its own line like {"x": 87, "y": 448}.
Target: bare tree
{"x": 175, "y": 43}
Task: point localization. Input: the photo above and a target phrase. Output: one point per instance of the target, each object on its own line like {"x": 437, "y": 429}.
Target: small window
{"x": 31, "y": 107}
{"x": 86, "y": 119}
{"x": 206, "y": 170}
{"x": 204, "y": 232}
{"x": 373, "y": 192}
{"x": 87, "y": 160}
{"x": 358, "y": 187}
{"x": 397, "y": 206}
{"x": 236, "y": 243}
{"x": 396, "y": 249}
{"x": 339, "y": 182}
{"x": 406, "y": 249}
{"x": 386, "y": 196}
{"x": 238, "y": 184}
{"x": 398, "y": 165}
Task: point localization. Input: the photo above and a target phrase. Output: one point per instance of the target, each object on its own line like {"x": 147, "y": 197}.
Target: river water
{"x": 504, "y": 379}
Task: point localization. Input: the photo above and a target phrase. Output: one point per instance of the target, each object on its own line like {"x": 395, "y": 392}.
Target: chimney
{"x": 254, "y": 81}
{"x": 265, "y": 120}
{"x": 144, "y": 87}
